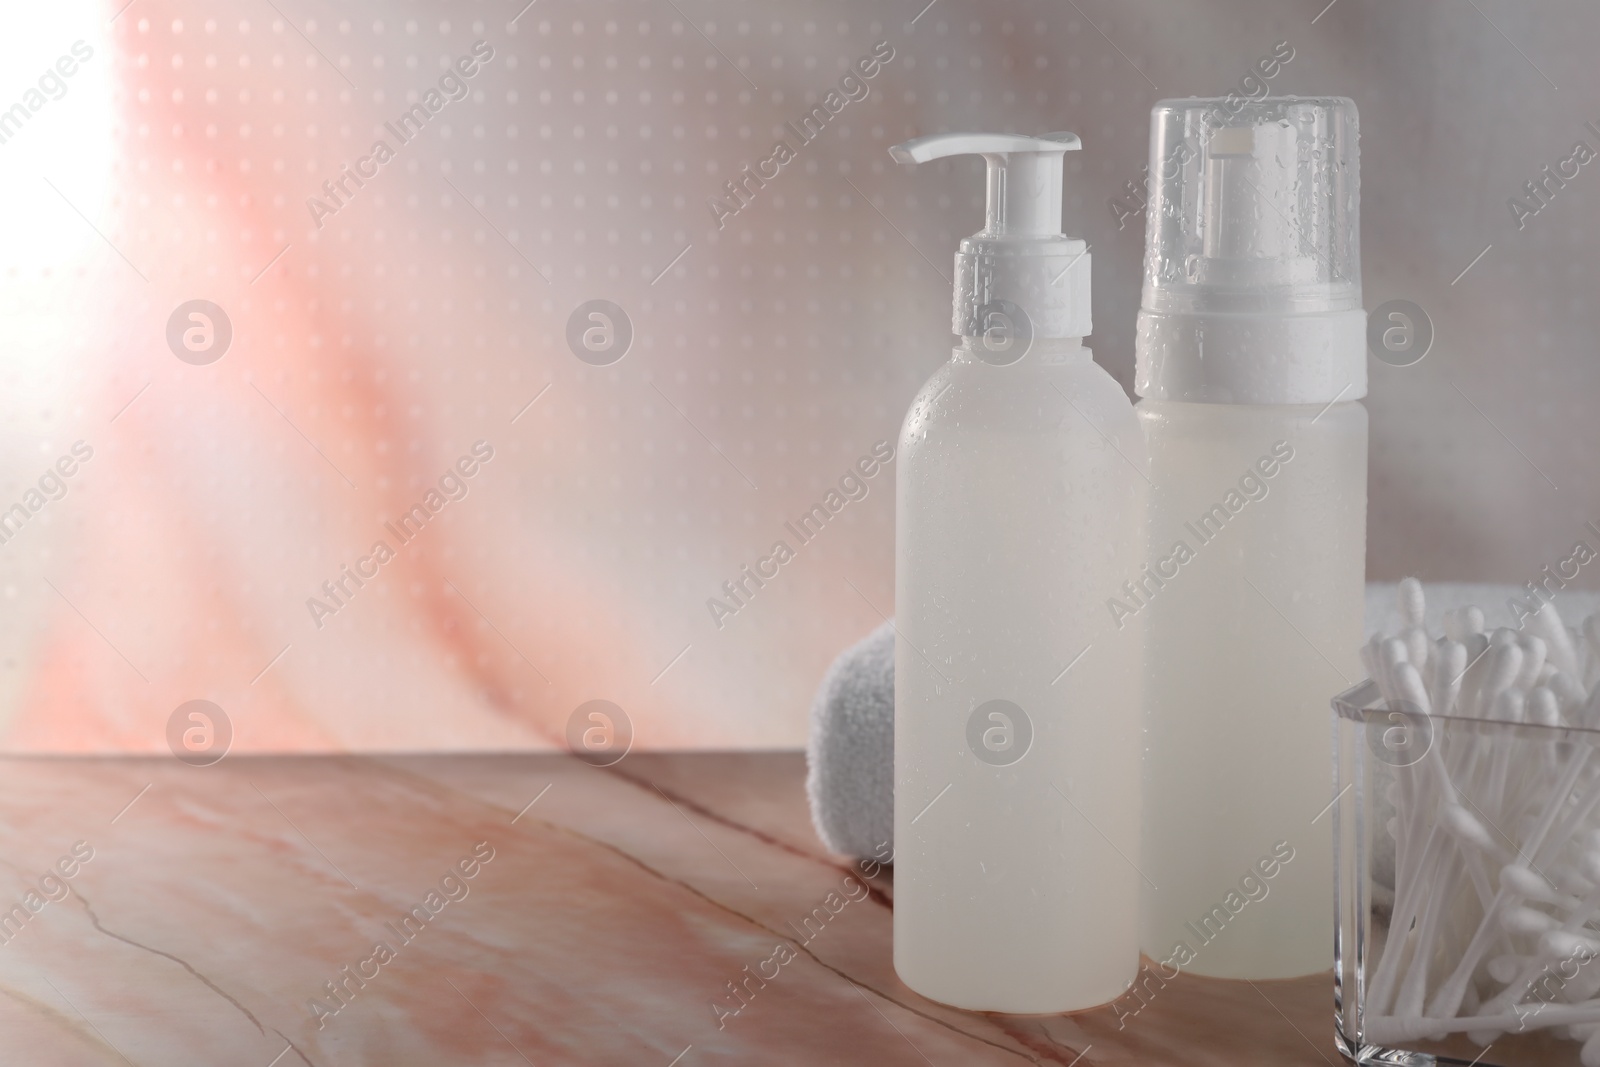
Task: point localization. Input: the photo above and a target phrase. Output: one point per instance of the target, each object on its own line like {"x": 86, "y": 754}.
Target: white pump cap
{"x": 1252, "y": 288}
{"x": 1020, "y": 256}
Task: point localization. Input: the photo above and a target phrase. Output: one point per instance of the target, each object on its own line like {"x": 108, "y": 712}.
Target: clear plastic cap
{"x": 1252, "y": 242}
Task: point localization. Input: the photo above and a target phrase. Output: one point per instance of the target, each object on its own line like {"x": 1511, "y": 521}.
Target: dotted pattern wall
{"x": 452, "y": 237}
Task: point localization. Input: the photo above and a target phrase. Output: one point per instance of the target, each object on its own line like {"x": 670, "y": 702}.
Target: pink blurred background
{"x": 769, "y": 355}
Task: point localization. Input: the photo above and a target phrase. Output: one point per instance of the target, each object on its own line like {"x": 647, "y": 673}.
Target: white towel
{"x": 850, "y": 749}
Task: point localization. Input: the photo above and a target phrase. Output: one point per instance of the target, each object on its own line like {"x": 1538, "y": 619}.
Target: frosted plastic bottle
{"x": 1020, "y": 500}
{"x": 1251, "y": 363}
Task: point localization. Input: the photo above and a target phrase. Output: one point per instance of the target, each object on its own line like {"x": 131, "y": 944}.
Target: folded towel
{"x": 850, "y": 751}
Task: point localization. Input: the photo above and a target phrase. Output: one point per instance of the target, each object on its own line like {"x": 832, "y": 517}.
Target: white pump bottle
{"x": 1020, "y": 501}
{"x": 1251, "y": 363}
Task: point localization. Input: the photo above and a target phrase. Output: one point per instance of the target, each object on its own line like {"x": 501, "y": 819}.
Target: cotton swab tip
{"x": 1515, "y": 878}
{"x": 1411, "y": 601}
{"x": 1543, "y": 708}
{"x": 1464, "y": 825}
{"x": 1504, "y": 968}
{"x": 1564, "y": 945}
{"x": 1524, "y": 920}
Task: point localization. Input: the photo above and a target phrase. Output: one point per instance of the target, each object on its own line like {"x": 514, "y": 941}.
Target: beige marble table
{"x": 606, "y": 914}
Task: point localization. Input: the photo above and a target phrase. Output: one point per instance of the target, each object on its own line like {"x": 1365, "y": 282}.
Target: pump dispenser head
{"x": 1020, "y": 258}
{"x": 1252, "y": 288}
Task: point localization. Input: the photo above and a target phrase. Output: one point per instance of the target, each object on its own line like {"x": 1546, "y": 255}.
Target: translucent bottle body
{"x": 1019, "y": 509}
{"x": 1254, "y": 614}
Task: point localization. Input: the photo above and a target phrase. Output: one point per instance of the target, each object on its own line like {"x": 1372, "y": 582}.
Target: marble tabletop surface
{"x": 503, "y": 910}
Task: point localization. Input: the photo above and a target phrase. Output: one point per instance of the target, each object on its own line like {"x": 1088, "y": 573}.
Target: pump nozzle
{"x": 1024, "y": 194}
{"x": 1020, "y": 255}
